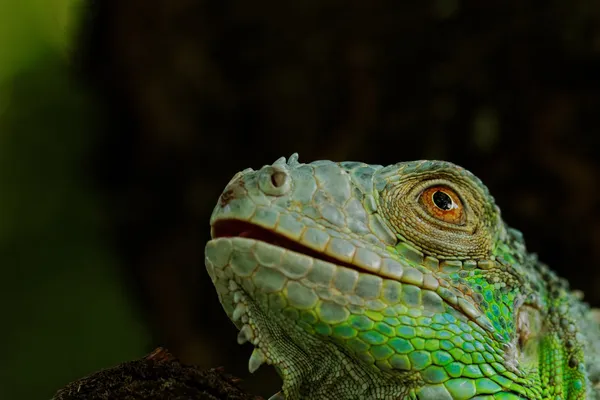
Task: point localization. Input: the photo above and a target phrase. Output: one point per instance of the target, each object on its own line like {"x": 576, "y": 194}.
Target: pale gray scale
{"x": 342, "y": 233}
{"x": 310, "y": 212}
{"x": 341, "y": 249}
{"x": 250, "y": 180}
{"x": 362, "y": 177}
{"x": 378, "y": 247}
{"x": 243, "y": 245}
{"x": 447, "y": 295}
{"x": 357, "y": 309}
{"x": 243, "y": 264}
{"x": 284, "y": 202}
{"x": 335, "y": 181}
{"x": 319, "y": 163}
{"x": 433, "y": 165}
{"x": 355, "y": 300}
{"x": 304, "y": 184}
{"x": 433, "y": 302}
{"x": 268, "y": 256}
{"x": 332, "y": 313}
{"x": 345, "y": 279}
{"x": 430, "y": 282}
{"x": 468, "y": 308}
{"x": 300, "y": 296}
{"x": 323, "y": 292}
{"x": 375, "y": 305}
{"x": 266, "y": 217}
{"x": 321, "y": 273}
{"x": 269, "y": 280}
{"x": 381, "y": 230}
{"x": 357, "y": 194}
{"x": 280, "y": 161}
{"x": 450, "y": 266}
{"x": 385, "y": 174}
{"x": 320, "y": 198}
{"x": 322, "y": 195}
{"x": 296, "y": 266}
{"x": 293, "y": 161}
{"x": 339, "y": 299}
{"x": 367, "y": 259}
{"x": 368, "y": 286}
{"x": 370, "y": 203}
{"x": 420, "y": 166}
{"x": 238, "y": 207}
{"x": 219, "y": 252}
{"x": 290, "y": 226}
{"x": 303, "y": 219}
{"x": 357, "y": 242}
{"x": 374, "y": 240}
{"x": 333, "y": 215}
{"x": 357, "y": 218}
{"x": 254, "y": 193}
{"x": 351, "y": 165}
{"x": 315, "y": 238}
{"x": 411, "y": 296}
{"x": 310, "y": 221}
{"x": 393, "y": 268}
{"x": 391, "y": 291}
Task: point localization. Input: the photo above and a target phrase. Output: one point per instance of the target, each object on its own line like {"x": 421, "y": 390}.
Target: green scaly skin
{"x": 352, "y": 288}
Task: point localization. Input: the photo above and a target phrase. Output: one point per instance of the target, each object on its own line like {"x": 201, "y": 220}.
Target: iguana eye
{"x": 443, "y": 203}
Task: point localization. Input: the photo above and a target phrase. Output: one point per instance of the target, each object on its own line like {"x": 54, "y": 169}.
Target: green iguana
{"x": 360, "y": 281}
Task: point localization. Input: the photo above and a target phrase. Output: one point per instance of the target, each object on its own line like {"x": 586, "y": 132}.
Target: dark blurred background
{"x": 122, "y": 120}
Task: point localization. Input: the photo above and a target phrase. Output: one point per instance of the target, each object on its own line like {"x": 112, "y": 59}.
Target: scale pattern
{"x": 352, "y": 289}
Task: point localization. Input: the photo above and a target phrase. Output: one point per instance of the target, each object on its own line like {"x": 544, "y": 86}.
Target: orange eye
{"x": 443, "y": 203}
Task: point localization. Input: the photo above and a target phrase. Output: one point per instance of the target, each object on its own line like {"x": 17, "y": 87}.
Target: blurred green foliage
{"x": 65, "y": 311}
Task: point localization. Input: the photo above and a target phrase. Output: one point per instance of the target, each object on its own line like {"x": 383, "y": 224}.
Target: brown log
{"x": 157, "y": 376}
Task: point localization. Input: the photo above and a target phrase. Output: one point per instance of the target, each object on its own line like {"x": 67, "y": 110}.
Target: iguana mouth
{"x": 237, "y": 228}
{"x": 233, "y": 228}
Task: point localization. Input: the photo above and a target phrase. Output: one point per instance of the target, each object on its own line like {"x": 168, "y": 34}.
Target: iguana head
{"x": 363, "y": 281}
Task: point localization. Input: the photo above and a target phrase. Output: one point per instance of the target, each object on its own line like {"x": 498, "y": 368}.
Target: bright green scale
{"x": 359, "y": 281}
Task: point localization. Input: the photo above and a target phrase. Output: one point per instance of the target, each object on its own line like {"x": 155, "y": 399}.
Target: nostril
{"x": 274, "y": 181}
{"x": 278, "y": 178}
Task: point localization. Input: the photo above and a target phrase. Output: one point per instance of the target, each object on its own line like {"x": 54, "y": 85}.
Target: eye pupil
{"x": 442, "y": 200}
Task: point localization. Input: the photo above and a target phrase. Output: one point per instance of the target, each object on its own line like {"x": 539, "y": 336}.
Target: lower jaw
{"x": 310, "y": 366}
